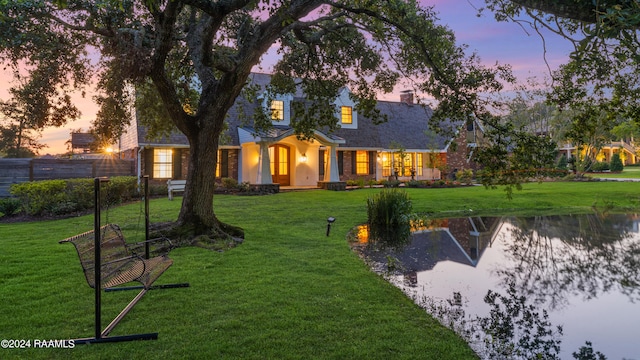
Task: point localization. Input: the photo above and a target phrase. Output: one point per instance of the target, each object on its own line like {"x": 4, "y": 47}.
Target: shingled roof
{"x": 407, "y": 126}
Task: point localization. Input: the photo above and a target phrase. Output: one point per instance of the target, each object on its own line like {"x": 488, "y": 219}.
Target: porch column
{"x": 331, "y": 172}
{"x": 264, "y": 165}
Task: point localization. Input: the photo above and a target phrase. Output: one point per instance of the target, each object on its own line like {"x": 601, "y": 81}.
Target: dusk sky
{"x": 506, "y": 43}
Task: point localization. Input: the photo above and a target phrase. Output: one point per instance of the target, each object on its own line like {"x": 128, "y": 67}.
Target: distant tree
{"x": 603, "y": 71}
{"x": 35, "y": 104}
{"x": 616, "y": 163}
{"x": 17, "y": 143}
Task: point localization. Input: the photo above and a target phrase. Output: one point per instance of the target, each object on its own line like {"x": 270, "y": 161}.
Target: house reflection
{"x": 461, "y": 240}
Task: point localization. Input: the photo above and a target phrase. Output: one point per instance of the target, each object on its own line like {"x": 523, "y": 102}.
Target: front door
{"x": 279, "y": 155}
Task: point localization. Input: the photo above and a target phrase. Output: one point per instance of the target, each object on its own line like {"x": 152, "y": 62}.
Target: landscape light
{"x": 330, "y": 220}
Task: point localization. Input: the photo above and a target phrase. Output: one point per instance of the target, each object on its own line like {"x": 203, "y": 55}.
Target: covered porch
{"x": 277, "y": 156}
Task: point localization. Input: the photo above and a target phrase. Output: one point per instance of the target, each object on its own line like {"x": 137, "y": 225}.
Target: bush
{"x": 9, "y": 206}
{"x": 616, "y": 163}
{"x": 229, "y": 183}
{"x": 465, "y": 176}
{"x": 59, "y": 197}
{"x": 599, "y": 166}
{"x": 37, "y": 196}
{"x": 388, "y": 217}
{"x": 562, "y": 163}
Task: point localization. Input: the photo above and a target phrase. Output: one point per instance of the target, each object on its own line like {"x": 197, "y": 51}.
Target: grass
{"x": 288, "y": 292}
{"x": 629, "y": 172}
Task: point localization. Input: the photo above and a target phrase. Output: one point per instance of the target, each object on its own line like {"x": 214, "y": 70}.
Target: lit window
{"x": 362, "y": 163}
{"x": 277, "y": 110}
{"x": 347, "y": 115}
{"x": 218, "y": 164}
{"x": 386, "y": 164}
{"x": 418, "y": 164}
{"x": 162, "y": 163}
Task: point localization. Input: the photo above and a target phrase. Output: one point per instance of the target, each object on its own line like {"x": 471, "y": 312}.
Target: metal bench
{"x": 175, "y": 185}
{"x": 114, "y": 263}
{"x": 108, "y": 262}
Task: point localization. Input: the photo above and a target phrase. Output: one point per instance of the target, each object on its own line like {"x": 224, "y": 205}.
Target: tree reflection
{"x": 557, "y": 256}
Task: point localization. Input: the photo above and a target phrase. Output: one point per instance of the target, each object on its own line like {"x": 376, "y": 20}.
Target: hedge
{"x": 59, "y": 197}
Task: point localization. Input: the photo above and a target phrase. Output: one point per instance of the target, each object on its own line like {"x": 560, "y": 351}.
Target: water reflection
{"x": 553, "y": 258}
{"x": 583, "y": 269}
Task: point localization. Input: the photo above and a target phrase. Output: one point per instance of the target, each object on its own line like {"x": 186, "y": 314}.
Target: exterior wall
{"x": 348, "y": 170}
{"x": 180, "y": 163}
{"x": 458, "y": 159}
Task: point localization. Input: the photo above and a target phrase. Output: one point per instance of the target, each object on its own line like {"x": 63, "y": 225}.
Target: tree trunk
{"x": 196, "y": 216}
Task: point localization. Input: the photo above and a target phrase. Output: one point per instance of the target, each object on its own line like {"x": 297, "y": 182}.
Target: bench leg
{"x": 148, "y": 336}
{"x": 124, "y": 312}
{"x": 154, "y": 287}
{"x": 103, "y": 336}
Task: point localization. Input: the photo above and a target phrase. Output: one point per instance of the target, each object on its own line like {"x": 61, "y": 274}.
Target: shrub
{"x": 229, "y": 183}
{"x": 37, "y": 196}
{"x": 616, "y": 163}
{"x": 9, "y": 206}
{"x": 351, "y": 182}
{"x": 60, "y": 197}
{"x": 562, "y": 163}
{"x": 121, "y": 189}
{"x": 599, "y": 166}
{"x": 388, "y": 217}
{"x": 465, "y": 176}
{"x": 390, "y": 183}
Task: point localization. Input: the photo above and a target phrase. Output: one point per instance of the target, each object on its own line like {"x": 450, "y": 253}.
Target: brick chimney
{"x": 406, "y": 96}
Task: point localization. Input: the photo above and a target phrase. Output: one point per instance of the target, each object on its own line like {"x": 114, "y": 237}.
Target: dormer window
{"x": 277, "y": 110}
{"x": 347, "y": 114}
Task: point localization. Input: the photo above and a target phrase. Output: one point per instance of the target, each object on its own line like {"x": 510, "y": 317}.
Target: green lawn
{"x": 288, "y": 292}
{"x": 630, "y": 172}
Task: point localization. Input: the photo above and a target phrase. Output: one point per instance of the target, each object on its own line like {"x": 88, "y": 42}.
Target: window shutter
{"x": 321, "y": 163}
{"x": 340, "y": 162}
{"x": 354, "y": 155}
{"x": 177, "y": 163}
{"x": 224, "y": 163}
{"x": 148, "y": 163}
{"x": 372, "y": 162}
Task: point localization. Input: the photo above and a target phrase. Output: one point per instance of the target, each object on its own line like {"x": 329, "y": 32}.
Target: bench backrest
{"x": 176, "y": 183}
{"x": 116, "y": 265}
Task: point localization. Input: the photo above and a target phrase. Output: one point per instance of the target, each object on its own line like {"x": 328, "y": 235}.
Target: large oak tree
{"x": 195, "y": 56}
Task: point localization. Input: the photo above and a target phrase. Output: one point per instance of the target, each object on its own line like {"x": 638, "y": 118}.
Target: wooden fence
{"x": 13, "y": 171}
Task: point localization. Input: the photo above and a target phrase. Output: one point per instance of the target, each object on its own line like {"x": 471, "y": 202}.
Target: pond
{"x": 579, "y": 272}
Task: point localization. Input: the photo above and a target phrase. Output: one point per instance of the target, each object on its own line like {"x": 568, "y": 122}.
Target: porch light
{"x": 303, "y": 158}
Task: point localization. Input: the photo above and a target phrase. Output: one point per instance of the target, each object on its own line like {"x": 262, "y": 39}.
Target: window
{"x": 418, "y": 164}
{"x": 277, "y": 110}
{"x": 162, "y": 163}
{"x": 347, "y": 115}
{"x": 393, "y": 162}
{"x": 386, "y": 164}
{"x": 362, "y": 163}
